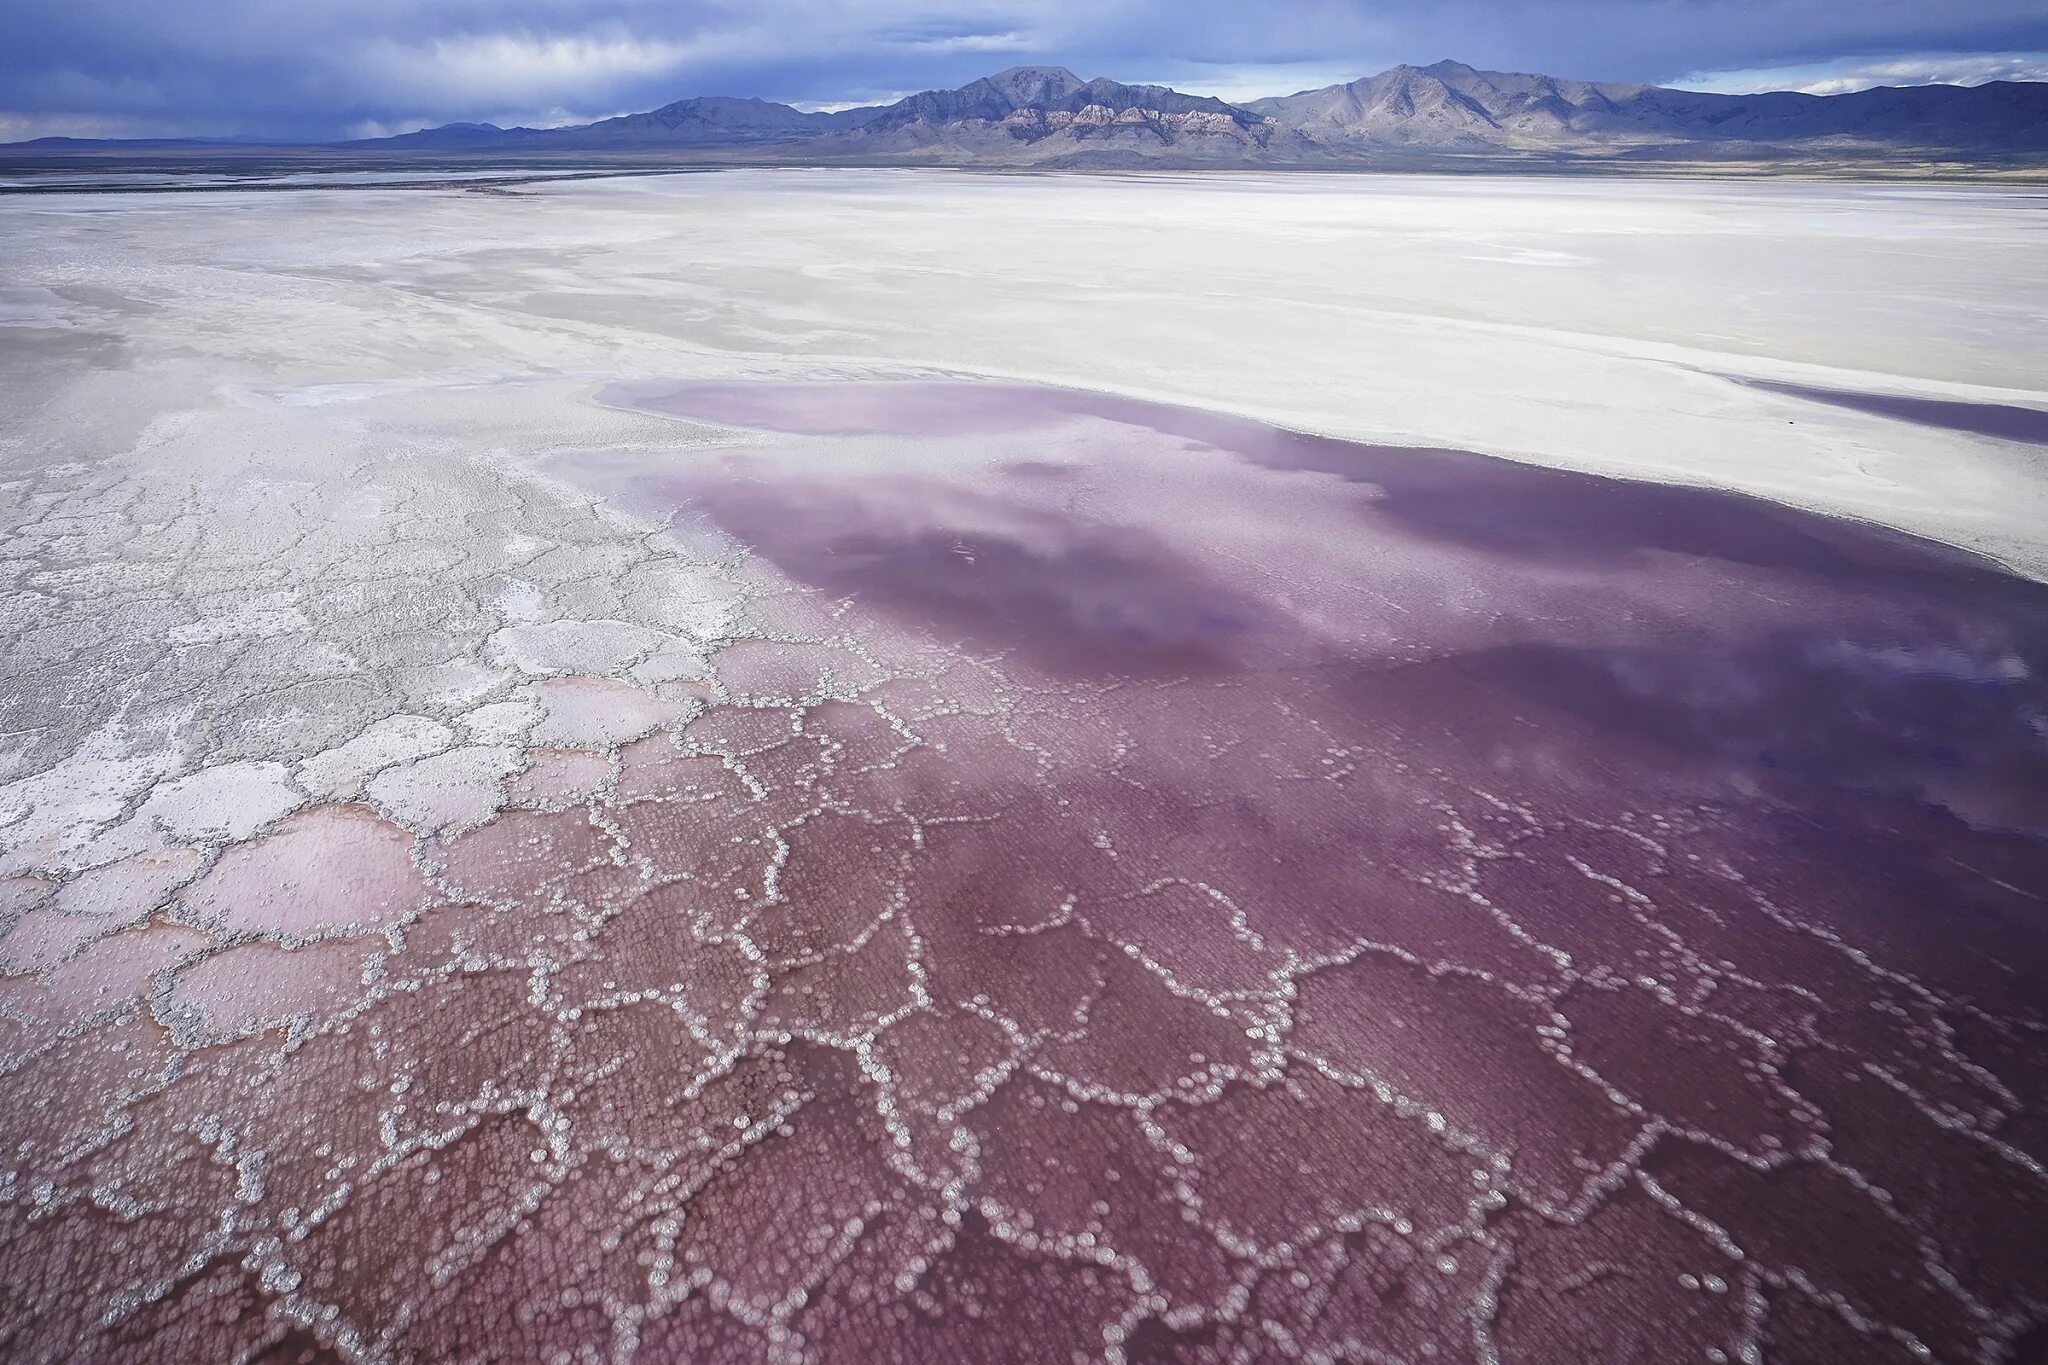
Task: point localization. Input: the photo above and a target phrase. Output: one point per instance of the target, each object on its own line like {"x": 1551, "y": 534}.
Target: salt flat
{"x": 1589, "y": 324}
{"x": 541, "y": 812}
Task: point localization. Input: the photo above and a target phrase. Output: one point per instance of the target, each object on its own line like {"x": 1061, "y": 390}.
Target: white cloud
{"x": 976, "y": 42}
{"x": 524, "y": 67}
{"x": 841, "y": 106}
{"x": 1845, "y": 74}
{"x": 16, "y": 126}
{"x": 1250, "y": 81}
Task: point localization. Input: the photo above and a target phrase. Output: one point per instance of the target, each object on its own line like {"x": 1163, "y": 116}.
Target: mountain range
{"x": 1049, "y": 117}
{"x": 1451, "y": 106}
{"x": 1026, "y": 115}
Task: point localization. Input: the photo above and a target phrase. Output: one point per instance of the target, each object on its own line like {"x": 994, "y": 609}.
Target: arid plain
{"x": 811, "y": 765}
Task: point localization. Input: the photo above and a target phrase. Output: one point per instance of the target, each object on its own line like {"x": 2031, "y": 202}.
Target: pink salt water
{"x": 1135, "y": 885}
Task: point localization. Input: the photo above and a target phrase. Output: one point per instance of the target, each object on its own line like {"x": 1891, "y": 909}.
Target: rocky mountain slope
{"x": 705, "y": 121}
{"x": 1049, "y": 113}
{"x": 1453, "y": 107}
{"x": 711, "y": 120}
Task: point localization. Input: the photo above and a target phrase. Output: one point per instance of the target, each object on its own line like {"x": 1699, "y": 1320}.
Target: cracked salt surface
{"x": 1008, "y": 873}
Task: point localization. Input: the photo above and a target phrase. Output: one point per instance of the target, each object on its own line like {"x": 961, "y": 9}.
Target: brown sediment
{"x": 1132, "y": 884}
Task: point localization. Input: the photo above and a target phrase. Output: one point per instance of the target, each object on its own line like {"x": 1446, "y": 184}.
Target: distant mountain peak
{"x": 703, "y": 104}
{"x": 1034, "y": 73}
{"x": 1027, "y": 85}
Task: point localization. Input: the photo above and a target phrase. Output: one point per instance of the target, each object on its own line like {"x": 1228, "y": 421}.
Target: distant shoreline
{"x": 42, "y": 175}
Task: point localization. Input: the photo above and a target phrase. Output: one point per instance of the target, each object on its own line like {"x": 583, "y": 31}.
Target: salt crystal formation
{"x": 952, "y": 873}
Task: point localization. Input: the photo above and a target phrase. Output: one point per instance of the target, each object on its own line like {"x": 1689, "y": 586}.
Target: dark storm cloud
{"x": 318, "y": 68}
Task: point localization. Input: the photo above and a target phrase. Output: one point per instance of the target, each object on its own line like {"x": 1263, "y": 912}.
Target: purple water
{"x": 1133, "y": 884}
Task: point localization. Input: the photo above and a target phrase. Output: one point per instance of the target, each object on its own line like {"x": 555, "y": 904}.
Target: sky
{"x": 322, "y": 69}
